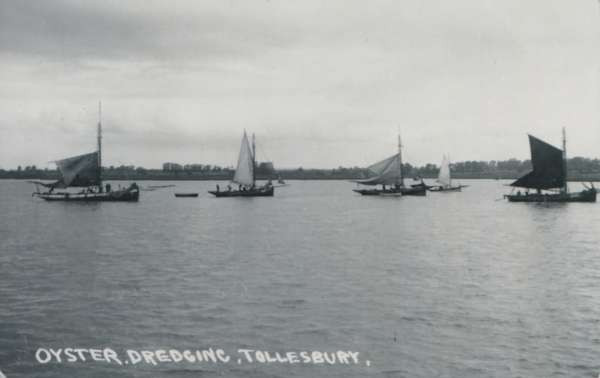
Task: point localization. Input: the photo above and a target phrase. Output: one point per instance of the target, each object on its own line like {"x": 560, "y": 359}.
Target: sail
{"x": 548, "y": 167}
{"x": 78, "y": 171}
{"x": 386, "y": 172}
{"x": 444, "y": 175}
{"x": 244, "y": 173}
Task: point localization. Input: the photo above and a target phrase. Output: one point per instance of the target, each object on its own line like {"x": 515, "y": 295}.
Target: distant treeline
{"x": 579, "y": 169}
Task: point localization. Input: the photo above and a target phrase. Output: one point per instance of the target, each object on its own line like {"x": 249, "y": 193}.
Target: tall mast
{"x": 564, "y": 136}
{"x": 253, "y": 159}
{"x": 401, "y": 178}
{"x": 100, "y": 146}
{"x": 449, "y": 173}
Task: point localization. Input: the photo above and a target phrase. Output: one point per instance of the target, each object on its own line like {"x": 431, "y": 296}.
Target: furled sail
{"x": 78, "y": 171}
{"x": 244, "y": 173}
{"x": 548, "y": 167}
{"x": 444, "y": 175}
{"x": 386, "y": 172}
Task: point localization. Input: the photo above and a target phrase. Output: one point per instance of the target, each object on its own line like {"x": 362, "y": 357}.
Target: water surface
{"x": 449, "y": 285}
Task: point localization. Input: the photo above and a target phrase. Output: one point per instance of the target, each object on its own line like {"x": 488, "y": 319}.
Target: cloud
{"x": 132, "y": 31}
{"x": 321, "y": 83}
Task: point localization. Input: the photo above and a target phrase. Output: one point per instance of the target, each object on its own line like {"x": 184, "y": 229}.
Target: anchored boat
{"x": 388, "y": 174}
{"x": 85, "y": 172}
{"x": 281, "y": 181}
{"x": 548, "y": 177}
{"x": 186, "y": 195}
{"x": 445, "y": 180}
{"x": 245, "y": 175}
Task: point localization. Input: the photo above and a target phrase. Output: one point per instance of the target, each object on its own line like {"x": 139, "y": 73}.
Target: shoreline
{"x": 591, "y": 178}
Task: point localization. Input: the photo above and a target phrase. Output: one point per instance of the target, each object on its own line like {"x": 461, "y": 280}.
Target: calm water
{"x": 451, "y": 285}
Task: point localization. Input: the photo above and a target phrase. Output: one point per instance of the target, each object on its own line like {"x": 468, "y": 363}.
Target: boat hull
{"x": 427, "y": 187}
{"x": 583, "y": 196}
{"x": 125, "y": 195}
{"x": 372, "y": 192}
{"x": 186, "y": 195}
{"x": 414, "y": 191}
{"x": 259, "y": 192}
{"x": 447, "y": 189}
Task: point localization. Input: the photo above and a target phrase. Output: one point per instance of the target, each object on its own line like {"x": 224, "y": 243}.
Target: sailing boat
{"x": 550, "y": 174}
{"x": 245, "y": 175}
{"x": 281, "y": 181}
{"x": 445, "y": 180}
{"x": 389, "y": 172}
{"x": 84, "y": 171}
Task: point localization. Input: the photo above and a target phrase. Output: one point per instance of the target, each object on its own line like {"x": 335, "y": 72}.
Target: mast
{"x": 565, "y": 188}
{"x": 253, "y": 160}
{"x": 100, "y": 146}
{"x": 449, "y": 174}
{"x": 401, "y": 178}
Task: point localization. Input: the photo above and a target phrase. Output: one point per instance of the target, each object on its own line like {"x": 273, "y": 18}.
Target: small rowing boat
{"x": 184, "y": 195}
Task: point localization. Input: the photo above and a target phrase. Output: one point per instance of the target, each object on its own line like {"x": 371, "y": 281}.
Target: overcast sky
{"x": 321, "y": 83}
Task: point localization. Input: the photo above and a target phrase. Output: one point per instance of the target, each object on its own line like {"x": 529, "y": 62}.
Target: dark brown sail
{"x": 84, "y": 171}
{"x": 548, "y": 167}
{"x": 79, "y": 171}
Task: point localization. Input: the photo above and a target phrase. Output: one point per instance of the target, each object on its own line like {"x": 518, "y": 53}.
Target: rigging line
{"x": 263, "y": 152}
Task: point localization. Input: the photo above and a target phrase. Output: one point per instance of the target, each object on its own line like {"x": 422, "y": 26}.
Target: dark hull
{"x": 186, "y": 195}
{"x": 414, "y": 191}
{"x": 378, "y": 192}
{"x": 583, "y": 196}
{"x": 427, "y": 187}
{"x": 260, "y": 192}
{"x": 125, "y": 195}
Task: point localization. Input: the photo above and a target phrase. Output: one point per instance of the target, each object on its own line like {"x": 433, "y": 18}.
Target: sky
{"x": 322, "y": 84}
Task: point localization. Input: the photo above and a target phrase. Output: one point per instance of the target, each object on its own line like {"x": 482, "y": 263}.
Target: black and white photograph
{"x": 318, "y": 188}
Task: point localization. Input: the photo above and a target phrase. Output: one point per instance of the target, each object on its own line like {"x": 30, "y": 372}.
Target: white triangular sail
{"x": 444, "y": 175}
{"x": 244, "y": 173}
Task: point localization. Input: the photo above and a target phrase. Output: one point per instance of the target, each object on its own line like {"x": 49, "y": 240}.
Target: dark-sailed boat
{"x": 445, "y": 179}
{"x": 245, "y": 175}
{"x": 388, "y": 174}
{"x": 84, "y": 171}
{"x": 549, "y": 174}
